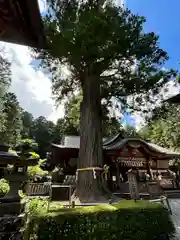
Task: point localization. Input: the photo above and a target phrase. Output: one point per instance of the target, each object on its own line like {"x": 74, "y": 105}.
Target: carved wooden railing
{"x": 39, "y": 189}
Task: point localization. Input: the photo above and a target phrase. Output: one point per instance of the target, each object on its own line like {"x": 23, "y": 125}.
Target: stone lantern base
{"x": 11, "y": 203}
{"x": 12, "y": 208}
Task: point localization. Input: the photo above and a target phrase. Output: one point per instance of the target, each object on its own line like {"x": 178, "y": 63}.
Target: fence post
{"x": 70, "y": 193}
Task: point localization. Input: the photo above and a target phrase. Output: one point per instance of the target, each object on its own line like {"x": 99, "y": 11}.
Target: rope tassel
{"x": 94, "y": 174}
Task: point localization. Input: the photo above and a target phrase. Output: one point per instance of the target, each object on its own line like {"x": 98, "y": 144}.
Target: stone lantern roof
{"x": 7, "y": 157}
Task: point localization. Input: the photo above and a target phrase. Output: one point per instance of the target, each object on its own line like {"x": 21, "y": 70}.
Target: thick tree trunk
{"x": 90, "y": 154}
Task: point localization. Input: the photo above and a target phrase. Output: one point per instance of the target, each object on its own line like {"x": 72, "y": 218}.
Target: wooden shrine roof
{"x": 156, "y": 149}
{"x": 20, "y": 23}
{"x": 117, "y": 142}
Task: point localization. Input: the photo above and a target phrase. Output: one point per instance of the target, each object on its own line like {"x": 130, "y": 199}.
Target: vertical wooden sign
{"x": 133, "y": 185}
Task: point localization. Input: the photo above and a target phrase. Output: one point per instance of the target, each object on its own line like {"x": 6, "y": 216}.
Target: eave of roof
{"x": 117, "y": 142}
{"x": 63, "y": 146}
{"x": 174, "y": 99}
{"x": 153, "y": 147}
{"x": 112, "y": 139}
{"x": 20, "y": 23}
{"x": 9, "y": 155}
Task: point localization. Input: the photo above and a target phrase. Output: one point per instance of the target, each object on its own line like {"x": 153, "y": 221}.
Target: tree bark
{"x": 90, "y": 154}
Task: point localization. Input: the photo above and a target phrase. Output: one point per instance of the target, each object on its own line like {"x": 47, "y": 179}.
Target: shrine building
{"x": 120, "y": 154}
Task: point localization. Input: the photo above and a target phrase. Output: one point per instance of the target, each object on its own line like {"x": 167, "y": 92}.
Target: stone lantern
{"x": 11, "y": 204}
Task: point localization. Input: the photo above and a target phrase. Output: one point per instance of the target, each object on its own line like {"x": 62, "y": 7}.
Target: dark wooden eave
{"x": 175, "y": 99}
{"x": 117, "y": 142}
{"x": 20, "y": 23}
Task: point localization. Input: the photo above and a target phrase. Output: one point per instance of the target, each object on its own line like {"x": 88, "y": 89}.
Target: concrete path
{"x": 175, "y": 206}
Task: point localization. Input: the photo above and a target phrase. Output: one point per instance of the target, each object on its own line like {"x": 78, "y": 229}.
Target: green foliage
{"x": 12, "y": 151}
{"x": 35, "y": 171}
{"x": 11, "y": 112}
{"x": 27, "y": 120}
{"x": 12, "y": 109}
{"x": 42, "y": 131}
{"x": 127, "y": 221}
{"x": 27, "y": 149}
{"x": 130, "y": 131}
{"x": 34, "y": 155}
{"x": 5, "y": 74}
{"x": 106, "y": 42}
{"x": 28, "y": 145}
{"x": 58, "y": 131}
{"x": 4, "y": 187}
{"x": 163, "y": 127}
{"x": 4, "y": 84}
{"x": 37, "y": 205}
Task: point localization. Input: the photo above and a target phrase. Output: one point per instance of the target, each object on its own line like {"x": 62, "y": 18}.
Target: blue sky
{"x": 162, "y": 18}
{"x": 128, "y": 119}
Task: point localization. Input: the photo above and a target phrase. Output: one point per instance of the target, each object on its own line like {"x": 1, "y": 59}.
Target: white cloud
{"x": 170, "y": 89}
{"x": 42, "y": 5}
{"x": 32, "y": 88}
{"x": 120, "y": 2}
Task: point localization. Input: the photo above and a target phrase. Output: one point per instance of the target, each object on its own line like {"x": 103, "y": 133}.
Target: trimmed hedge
{"x": 128, "y": 220}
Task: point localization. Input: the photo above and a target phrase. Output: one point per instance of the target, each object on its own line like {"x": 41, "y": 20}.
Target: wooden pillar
{"x": 117, "y": 174}
{"x": 110, "y": 180}
{"x": 149, "y": 168}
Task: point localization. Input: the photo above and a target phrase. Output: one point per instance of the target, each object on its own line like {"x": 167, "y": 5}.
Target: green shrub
{"x": 36, "y": 170}
{"x": 37, "y": 205}
{"x": 126, "y": 221}
{"x": 4, "y": 187}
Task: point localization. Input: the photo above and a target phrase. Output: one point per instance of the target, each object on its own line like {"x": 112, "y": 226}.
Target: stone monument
{"x": 133, "y": 184}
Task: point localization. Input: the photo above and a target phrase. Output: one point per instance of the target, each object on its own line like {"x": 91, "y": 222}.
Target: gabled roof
{"x": 117, "y": 142}
{"x": 112, "y": 139}
{"x": 151, "y": 146}
{"x": 162, "y": 150}
{"x": 20, "y": 22}
{"x": 71, "y": 142}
